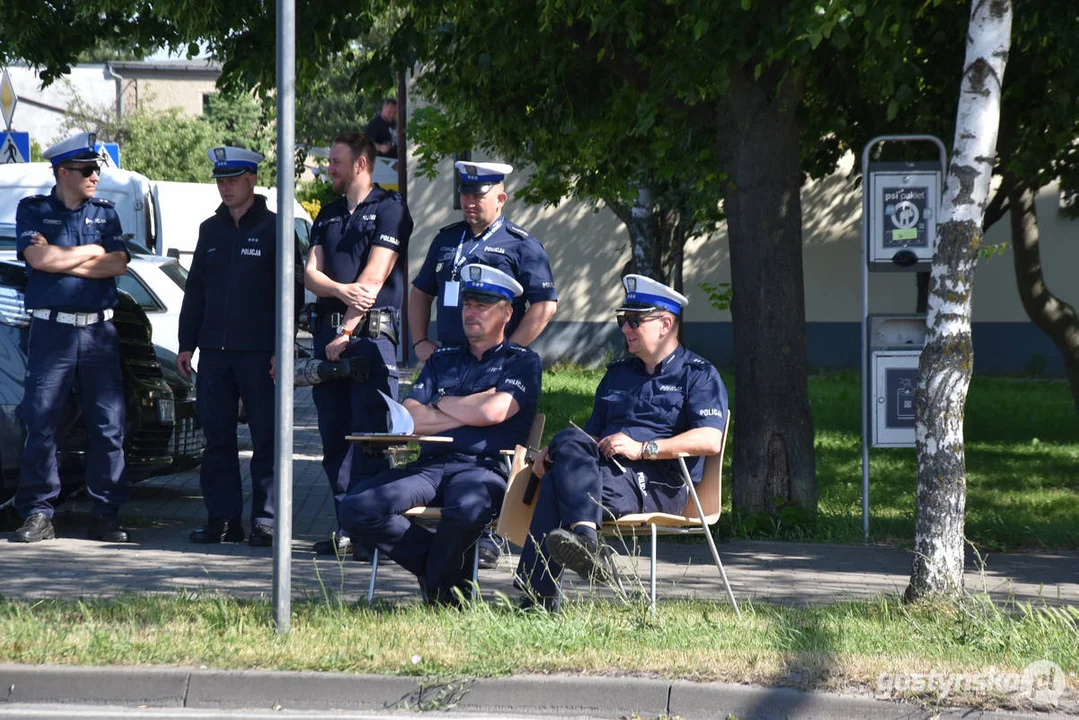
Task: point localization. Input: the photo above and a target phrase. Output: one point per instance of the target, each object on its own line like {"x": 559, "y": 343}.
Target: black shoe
{"x": 36, "y": 528}
{"x": 219, "y": 530}
{"x": 339, "y": 545}
{"x": 361, "y": 553}
{"x": 529, "y": 602}
{"x": 488, "y": 556}
{"x": 261, "y": 536}
{"x": 579, "y": 551}
{"x": 107, "y": 529}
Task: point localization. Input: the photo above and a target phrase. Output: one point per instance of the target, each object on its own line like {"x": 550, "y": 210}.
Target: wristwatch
{"x": 342, "y": 331}
{"x": 651, "y": 450}
{"x": 438, "y": 396}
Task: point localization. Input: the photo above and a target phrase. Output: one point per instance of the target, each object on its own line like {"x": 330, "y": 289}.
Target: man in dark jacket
{"x": 228, "y": 315}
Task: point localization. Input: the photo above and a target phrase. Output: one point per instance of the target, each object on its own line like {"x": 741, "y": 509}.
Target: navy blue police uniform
{"x": 228, "y": 313}
{"x": 503, "y": 245}
{"x": 466, "y": 477}
{"x": 683, "y": 393}
{"x": 381, "y": 220}
{"x": 71, "y": 343}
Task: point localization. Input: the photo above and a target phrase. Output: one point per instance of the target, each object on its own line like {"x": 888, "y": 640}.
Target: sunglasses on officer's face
{"x": 84, "y": 170}
{"x": 633, "y": 320}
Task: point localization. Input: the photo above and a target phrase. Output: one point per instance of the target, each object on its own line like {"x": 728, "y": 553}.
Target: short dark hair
{"x": 390, "y": 101}
{"x": 359, "y": 144}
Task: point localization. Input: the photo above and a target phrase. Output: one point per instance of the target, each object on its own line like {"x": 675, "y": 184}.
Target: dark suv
{"x": 151, "y": 443}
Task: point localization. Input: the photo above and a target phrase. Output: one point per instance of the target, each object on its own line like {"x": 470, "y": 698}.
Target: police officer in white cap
{"x": 228, "y": 316}
{"x": 484, "y": 236}
{"x": 483, "y": 394}
{"x": 649, "y": 408}
{"x": 73, "y": 246}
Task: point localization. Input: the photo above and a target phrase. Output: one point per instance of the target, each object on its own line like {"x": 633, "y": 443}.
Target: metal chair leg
{"x": 476, "y": 571}
{"x": 652, "y": 572}
{"x": 708, "y": 535}
{"x": 374, "y": 575}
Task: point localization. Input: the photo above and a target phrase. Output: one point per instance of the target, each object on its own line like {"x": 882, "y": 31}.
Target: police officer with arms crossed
{"x": 649, "y": 408}
{"x": 482, "y": 394}
{"x": 484, "y": 236}
{"x": 73, "y": 247}
{"x": 228, "y": 315}
{"x": 356, "y": 267}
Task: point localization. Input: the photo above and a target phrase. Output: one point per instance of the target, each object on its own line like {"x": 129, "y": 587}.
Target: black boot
{"x": 579, "y": 550}
{"x": 106, "y": 528}
{"x": 36, "y": 528}
{"x": 219, "y": 530}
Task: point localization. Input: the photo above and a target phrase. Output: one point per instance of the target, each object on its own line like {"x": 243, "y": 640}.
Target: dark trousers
{"x": 581, "y": 485}
{"x": 224, "y": 378}
{"x": 60, "y": 357}
{"x": 346, "y": 407}
{"x": 468, "y": 490}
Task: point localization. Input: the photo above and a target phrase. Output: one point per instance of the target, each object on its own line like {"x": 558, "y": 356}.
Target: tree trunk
{"x": 642, "y": 224}
{"x": 758, "y": 146}
{"x": 1050, "y": 314}
{"x": 947, "y": 359}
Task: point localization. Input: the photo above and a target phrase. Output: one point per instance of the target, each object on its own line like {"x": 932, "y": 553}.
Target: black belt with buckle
{"x": 378, "y": 321}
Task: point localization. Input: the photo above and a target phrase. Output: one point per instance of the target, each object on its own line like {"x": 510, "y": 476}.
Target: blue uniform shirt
{"x": 229, "y": 298}
{"x": 504, "y": 246}
{"x": 507, "y": 367}
{"x": 95, "y": 221}
{"x": 685, "y": 392}
{"x": 381, "y": 220}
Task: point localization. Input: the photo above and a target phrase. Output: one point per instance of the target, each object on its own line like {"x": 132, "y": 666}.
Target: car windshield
{"x": 177, "y": 273}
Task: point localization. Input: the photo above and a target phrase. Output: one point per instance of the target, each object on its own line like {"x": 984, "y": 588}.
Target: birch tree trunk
{"x": 946, "y": 362}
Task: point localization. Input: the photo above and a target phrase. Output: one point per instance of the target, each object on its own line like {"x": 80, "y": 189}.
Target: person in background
{"x": 228, "y": 316}
{"x": 73, "y": 246}
{"x": 356, "y": 267}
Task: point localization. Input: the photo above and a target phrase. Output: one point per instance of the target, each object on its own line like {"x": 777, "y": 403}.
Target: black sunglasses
{"x": 84, "y": 170}
{"x": 633, "y": 320}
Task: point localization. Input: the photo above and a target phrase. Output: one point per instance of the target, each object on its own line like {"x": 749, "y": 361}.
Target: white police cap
{"x": 232, "y": 161}
{"x": 77, "y": 148}
{"x": 644, "y": 294}
{"x": 479, "y": 177}
{"x": 482, "y": 282}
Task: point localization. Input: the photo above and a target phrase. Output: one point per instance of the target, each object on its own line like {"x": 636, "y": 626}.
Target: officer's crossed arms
{"x": 88, "y": 261}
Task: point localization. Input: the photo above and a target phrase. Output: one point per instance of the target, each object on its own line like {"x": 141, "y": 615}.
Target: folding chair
{"x": 519, "y": 471}
{"x": 701, "y": 512}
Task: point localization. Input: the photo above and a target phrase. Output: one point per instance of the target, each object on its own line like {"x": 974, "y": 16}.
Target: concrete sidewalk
{"x": 164, "y": 510}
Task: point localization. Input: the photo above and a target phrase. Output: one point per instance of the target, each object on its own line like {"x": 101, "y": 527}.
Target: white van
{"x": 130, "y": 191}
{"x": 184, "y": 206}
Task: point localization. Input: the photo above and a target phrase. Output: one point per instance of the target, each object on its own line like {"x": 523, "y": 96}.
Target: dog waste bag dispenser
{"x": 895, "y": 345}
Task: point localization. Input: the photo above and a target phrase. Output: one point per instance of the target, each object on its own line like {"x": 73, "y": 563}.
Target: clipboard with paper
{"x": 400, "y": 428}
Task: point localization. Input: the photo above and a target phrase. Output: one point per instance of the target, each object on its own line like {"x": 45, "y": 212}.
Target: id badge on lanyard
{"x": 451, "y": 290}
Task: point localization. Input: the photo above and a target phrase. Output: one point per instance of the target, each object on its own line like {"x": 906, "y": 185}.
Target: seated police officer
{"x": 73, "y": 247}
{"x": 649, "y": 409}
{"x": 482, "y": 394}
{"x": 228, "y": 316}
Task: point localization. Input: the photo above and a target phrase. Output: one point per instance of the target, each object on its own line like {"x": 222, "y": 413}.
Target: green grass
{"x": 830, "y": 647}
{"x": 1022, "y": 451}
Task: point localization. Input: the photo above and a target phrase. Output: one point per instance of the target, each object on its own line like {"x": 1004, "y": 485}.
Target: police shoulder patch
{"x": 102, "y": 202}
{"x": 451, "y": 226}
{"x": 516, "y": 230}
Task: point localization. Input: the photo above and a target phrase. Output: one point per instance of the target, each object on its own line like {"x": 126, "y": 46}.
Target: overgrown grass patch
{"x": 827, "y": 647}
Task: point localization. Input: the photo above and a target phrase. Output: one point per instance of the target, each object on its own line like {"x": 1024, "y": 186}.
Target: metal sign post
{"x": 286, "y": 330}
{"x": 900, "y": 201}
